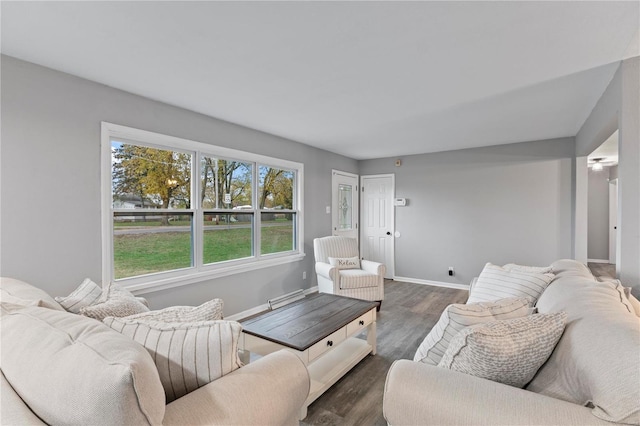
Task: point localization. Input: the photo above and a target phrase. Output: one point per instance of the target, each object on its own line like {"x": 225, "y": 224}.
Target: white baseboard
{"x": 261, "y": 308}
{"x": 598, "y": 260}
{"x": 432, "y": 283}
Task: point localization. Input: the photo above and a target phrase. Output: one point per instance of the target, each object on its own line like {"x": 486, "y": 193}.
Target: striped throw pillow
{"x": 496, "y": 283}
{"x": 187, "y": 355}
{"x": 507, "y": 351}
{"x": 86, "y": 294}
{"x": 458, "y": 316}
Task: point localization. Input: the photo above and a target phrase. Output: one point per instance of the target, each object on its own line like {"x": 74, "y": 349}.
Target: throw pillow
{"x": 187, "y": 355}
{"x": 345, "y": 262}
{"x": 208, "y": 311}
{"x": 523, "y": 268}
{"x": 496, "y": 282}
{"x": 507, "y": 351}
{"x": 115, "y": 301}
{"x": 458, "y": 316}
{"x": 70, "y": 369}
{"x": 86, "y": 294}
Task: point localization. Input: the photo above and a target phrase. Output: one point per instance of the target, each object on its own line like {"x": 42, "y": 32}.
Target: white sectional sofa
{"x": 592, "y": 376}
{"x": 61, "y": 368}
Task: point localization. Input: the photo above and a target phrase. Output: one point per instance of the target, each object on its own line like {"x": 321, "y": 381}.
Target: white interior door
{"x": 378, "y": 222}
{"x": 613, "y": 220}
{"x": 344, "y": 204}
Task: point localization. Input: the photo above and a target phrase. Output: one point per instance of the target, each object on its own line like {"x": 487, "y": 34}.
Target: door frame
{"x": 391, "y": 267}
{"x": 613, "y": 221}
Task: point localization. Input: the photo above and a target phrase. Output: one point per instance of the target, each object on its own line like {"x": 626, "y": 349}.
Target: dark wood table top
{"x": 305, "y": 322}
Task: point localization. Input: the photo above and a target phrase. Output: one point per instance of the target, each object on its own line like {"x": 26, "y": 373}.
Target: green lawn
{"x": 141, "y": 254}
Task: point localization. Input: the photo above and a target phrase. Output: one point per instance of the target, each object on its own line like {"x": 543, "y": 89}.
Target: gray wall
{"x": 500, "y": 204}
{"x": 598, "y": 215}
{"x": 50, "y": 183}
{"x": 619, "y": 108}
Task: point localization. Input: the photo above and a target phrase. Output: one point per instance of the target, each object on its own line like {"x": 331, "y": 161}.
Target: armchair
{"x": 366, "y": 282}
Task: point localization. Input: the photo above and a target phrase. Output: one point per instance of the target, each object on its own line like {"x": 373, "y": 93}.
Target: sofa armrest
{"x": 14, "y": 410}
{"x": 373, "y": 267}
{"x": 326, "y": 270}
{"x": 270, "y": 391}
{"x": 421, "y": 394}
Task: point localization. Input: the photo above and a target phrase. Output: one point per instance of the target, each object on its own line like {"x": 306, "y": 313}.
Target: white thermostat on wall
{"x": 400, "y": 202}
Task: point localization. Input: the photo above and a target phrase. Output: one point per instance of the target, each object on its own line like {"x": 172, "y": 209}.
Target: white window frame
{"x": 199, "y": 272}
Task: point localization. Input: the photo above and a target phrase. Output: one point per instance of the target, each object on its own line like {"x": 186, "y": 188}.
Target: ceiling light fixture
{"x": 597, "y": 165}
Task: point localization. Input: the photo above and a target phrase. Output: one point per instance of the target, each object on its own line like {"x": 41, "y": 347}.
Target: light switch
{"x": 328, "y": 209}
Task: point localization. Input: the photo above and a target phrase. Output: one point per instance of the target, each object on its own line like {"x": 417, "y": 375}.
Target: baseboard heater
{"x": 286, "y": 299}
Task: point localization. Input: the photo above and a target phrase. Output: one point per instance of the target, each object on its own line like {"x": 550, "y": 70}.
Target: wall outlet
{"x": 304, "y": 275}
{"x": 451, "y": 271}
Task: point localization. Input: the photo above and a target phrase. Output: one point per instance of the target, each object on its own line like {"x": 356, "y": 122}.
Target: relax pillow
{"x": 115, "y": 301}
{"x": 208, "y": 311}
{"x": 458, "y": 316}
{"x": 70, "y": 369}
{"x": 86, "y": 294}
{"x": 507, "y": 351}
{"x": 495, "y": 282}
{"x": 345, "y": 262}
{"x": 187, "y": 355}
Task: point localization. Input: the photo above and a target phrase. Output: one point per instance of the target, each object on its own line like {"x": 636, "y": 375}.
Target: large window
{"x": 176, "y": 211}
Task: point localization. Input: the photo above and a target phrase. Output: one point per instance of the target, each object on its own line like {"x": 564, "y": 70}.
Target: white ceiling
{"x": 363, "y": 79}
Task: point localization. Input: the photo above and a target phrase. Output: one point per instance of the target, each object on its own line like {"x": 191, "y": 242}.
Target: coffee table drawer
{"x": 359, "y": 323}
{"x": 327, "y": 343}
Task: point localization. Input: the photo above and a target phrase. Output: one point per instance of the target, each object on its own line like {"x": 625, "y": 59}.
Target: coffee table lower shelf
{"x": 330, "y": 367}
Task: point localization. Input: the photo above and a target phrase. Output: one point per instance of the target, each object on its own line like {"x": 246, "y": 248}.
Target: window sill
{"x": 197, "y": 277}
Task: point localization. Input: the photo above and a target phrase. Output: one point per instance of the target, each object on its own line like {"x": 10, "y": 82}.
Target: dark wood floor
{"x": 408, "y": 312}
{"x": 603, "y": 269}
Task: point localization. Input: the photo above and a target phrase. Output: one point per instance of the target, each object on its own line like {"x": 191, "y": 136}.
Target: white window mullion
{"x": 197, "y": 226}
{"x": 257, "y": 220}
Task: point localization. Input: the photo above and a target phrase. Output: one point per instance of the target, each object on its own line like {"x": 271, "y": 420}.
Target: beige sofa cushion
{"x": 526, "y": 268}
{"x": 71, "y": 369}
{"x": 571, "y": 268}
{"x": 20, "y": 293}
{"x": 458, "y": 316}
{"x": 495, "y": 282}
{"x": 187, "y": 355}
{"x": 508, "y": 351}
{"x": 597, "y": 360}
